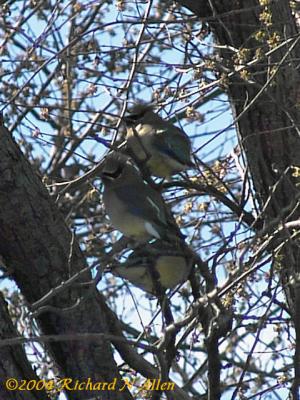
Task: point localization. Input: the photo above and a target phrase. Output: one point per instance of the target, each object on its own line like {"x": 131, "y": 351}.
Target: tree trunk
{"x": 40, "y": 253}
{"x": 14, "y": 366}
{"x": 265, "y": 100}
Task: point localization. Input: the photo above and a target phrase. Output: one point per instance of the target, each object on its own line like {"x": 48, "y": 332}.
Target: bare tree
{"x": 70, "y": 71}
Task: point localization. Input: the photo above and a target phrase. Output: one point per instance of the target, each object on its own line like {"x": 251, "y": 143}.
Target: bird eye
{"x": 113, "y": 174}
{"x": 132, "y": 118}
{"x": 135, "y": 117}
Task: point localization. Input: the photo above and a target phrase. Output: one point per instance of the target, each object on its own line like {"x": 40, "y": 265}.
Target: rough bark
{"x": 266, "y": 106}
{"x": 14, "y": 364}
{"x": 267, "y": 129}
{"x": 39, "y": 252}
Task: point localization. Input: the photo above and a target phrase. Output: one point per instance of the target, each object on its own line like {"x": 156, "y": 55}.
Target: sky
{"x": 217, "y": 124}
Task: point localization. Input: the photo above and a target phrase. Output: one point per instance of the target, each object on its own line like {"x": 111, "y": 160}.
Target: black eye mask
{"x": 113, "y": 174}
{"x": 133, "y": 118}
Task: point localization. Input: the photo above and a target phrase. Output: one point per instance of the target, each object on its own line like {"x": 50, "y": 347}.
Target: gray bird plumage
{"x": 153, "y": 268}
{"x": 163, "y": 147}
{"x": 134, "y": 207}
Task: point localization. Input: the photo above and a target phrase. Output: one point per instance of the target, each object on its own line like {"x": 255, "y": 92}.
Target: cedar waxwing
{"x": 133, "y": 207}
{"x": 165, "y": 149}
{"x": 154, "y": 267}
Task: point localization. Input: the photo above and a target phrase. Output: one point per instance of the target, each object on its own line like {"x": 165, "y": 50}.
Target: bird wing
{"x": 172, "y": 142}
{"x": 148, "y": 207}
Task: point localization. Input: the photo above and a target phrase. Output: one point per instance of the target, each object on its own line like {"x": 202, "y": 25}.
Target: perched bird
{"x": 164, "y": 148}
{"x": 134, "y": 207}
{"x": 154, "y": 268}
